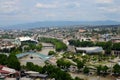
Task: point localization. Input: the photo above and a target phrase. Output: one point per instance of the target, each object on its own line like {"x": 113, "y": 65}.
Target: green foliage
{"x": 63, "y": 63}
{"x": 31, "y": 66}
{"x": 116, "y": 46}
{"x": 99, "y": 69}
{"x": 74, "y": 42}
{"x": 13, "y": 62}
{"x": 107, "y": 46}
{"x": 32, "y": 46}
{"x": 3, "y": 59}
{"x": 69, "y": 55}
{"x": 28, "y": 42}
{"x": 104, "y": 45}
{"x": 77, "y": 43}
{"x": 116, "y": 69}
{"x": 39, "y": 47}
{"x": 16, "y": 50}
{"x": 10, "y": 61}
{"x": 51, "y": 53}
{"x": 86, "y": 70}
{"x": 80, "y": 64}
{"x": 104, "y": 69}
{"x": 56, "y": 73}
{"x": 59, "y": 45}
{"x": 101, "y": 44}
{"x": 77, "y": 78}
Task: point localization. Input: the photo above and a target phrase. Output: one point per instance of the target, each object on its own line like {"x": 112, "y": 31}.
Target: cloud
{"x": 110, "y": 9}
{"x": 50, "y": 15}
{"x": 104, "y": 1}
{"x": 59, "y": 4}
{"x": 71, "y": 4}
{"x": 41, "y": 5}
{"x": 7, "y": 7}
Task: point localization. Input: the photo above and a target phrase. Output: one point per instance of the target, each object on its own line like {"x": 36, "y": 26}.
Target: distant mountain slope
{"x": 58, "y": 23}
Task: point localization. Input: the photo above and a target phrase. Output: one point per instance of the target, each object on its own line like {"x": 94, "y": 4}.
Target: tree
{"x": 80, "y": 64}
{"x": 3, "y": 59}
{"x": 86, "y": 70}
{"x": 104, "y": 69}
{"x": 16, "y": 51}
{"x": 99, "y": 69}
{"x": 13, "y": 62}
{"x": 56, "y": 73}
{"x": 108, "y": 47}
{"x": 116, "y": 46}
{"x": 116, "y": 69}
{"x": 77, "y": 43}
{"x": 51, "y": 53}
{"x": 77, "y": 78}
{"x": 63, "y": 63}
{"x": 39, "y": 47}
{"x": 31, "y": 66}
{"x": 101, "y": 44}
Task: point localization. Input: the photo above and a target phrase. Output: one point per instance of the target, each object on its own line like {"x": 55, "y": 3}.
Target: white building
{"x": 89, "y": 49}
{"x": 24, "y": 39}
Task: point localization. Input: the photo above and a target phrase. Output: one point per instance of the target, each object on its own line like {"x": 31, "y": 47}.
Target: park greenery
{"x": 57, "y": 73}
{"x": 84, "y": 63}
{"x": 59, "y": 45}
{"x": 51, "y": 53}
{"x": 10, "y": 61}
{"x": 32, "y": 46}
{"x": 116, "y": 69}
{"x": 86, "y": 70}
{"x": 102, "y": 69}
{"x": 78, "y": 43}
{"x": 107, "y": 46}
{"x": 80, "y": 64}
{"x": 64, "y": 64}
{"x": 52, "y": 71}
{"x": 31, "y": 66}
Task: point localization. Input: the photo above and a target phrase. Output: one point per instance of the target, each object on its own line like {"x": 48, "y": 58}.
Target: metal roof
{"x": 42, "y": 56}
{"x": 90, "y": 49}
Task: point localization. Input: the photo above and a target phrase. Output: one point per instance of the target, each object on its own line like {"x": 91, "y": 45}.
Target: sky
{"x": 24, "y": 11}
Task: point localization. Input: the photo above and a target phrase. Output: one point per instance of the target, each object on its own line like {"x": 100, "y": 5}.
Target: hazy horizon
{"x": 14, "y": 12}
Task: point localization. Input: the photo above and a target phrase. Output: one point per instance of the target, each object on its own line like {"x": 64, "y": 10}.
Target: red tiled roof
{"x": 4, "y": 72}
{"x": 1, "y": 66}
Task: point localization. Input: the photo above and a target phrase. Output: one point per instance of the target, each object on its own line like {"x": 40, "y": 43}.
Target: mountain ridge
{"x": 39, "y": 24}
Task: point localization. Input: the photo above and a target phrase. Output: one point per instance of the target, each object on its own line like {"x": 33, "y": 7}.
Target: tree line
{"x": 51, "y": 70}
{"x": 27, "y": 47}
{"x": 10, "y": 61}
{"x": 107, "y": 46}
{"x": 59, "y": 45}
